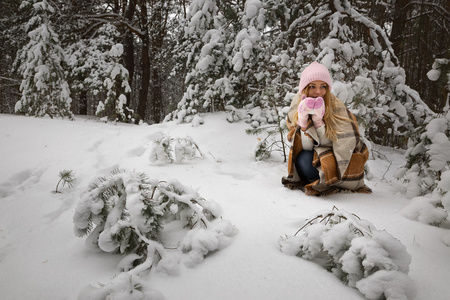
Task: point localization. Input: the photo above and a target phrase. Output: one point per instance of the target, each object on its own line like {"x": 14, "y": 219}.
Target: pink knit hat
{"x": 313, "y": 72}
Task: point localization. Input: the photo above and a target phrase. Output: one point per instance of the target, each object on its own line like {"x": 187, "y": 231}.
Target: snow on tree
{"x": 98, "y": 62}
{"x": 270, "y": 127}
{"x": 441, "y": 72}
{"x": 204, "y": 48}
{"x": 128, "y": 213}
{"x": 444, "y": 187}
{"x": 365, "y": 71}
{"x": 371, "y": 260}
{"x": 426, "y": 172}
{"x": 113, "y": 108}
{"x": 427, "y": 168}
{"x": 264, "y": 46}
{"x": 45, "y": 91}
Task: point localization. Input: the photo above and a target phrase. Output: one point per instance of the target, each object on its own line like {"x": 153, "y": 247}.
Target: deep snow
{"x": 40, "y": 257}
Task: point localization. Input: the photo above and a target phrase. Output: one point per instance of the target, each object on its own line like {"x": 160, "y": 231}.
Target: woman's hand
{"x": 311, "y": 106}
{"x": 319, "y": 112}
{"x": 305, "y": 108}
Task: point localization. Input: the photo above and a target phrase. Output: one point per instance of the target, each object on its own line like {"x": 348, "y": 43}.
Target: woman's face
{"x": 317, "y": 88}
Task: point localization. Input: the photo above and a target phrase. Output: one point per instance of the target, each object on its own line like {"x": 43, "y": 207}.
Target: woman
{"x": 327, "y": 154}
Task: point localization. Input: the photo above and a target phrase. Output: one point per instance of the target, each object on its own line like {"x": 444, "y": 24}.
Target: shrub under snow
{"x": 371, "y": 260}
{"x": 169, "y": 149}
{"x": 128, "y": 213}
{"x": 427, "y": 173}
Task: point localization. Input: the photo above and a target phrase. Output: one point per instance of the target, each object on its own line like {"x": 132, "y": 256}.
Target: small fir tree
{"x": 113, "y": 108}
{"x": 270, "y": 122}
{"x": 66, "y": 177}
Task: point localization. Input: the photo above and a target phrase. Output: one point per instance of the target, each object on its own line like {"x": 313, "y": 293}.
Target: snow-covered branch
{"x": 351, "y": 248}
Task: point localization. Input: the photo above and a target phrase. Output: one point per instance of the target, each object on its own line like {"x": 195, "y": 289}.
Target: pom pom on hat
{"x": 313, "y": 72}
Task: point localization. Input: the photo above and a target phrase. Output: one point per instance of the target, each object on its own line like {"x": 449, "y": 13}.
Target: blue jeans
{"x": 305, "y": 169}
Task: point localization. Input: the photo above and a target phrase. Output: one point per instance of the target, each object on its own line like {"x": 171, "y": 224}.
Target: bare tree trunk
{"x": 159, "y": 19}
{"x": 129, "y": 48}
{"x": 82, "y": 108}
{"x": 398, "y": 27}
{"x": 143, "y": 92}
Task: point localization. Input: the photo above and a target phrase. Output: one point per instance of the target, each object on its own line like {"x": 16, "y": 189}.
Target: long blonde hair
{"x": 332, "y": 120}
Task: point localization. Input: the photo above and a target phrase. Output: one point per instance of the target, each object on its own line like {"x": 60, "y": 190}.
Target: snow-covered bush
{"x": 270, "y": 122}
{"x": 261, "y": 150}
{"x": 371, "y": 260}
{"x": 427, "y": 163}
{"x": 427, "y": 156}
{"x": 169, "y": 149}
{"x": 115, "y": 212}
{"x": 162, "y": 150}
{"x": 273, "y": 140}
{"x": 427, "y": 168}
{"x": 127, "y": 213}
{"x": 234, "y": 114}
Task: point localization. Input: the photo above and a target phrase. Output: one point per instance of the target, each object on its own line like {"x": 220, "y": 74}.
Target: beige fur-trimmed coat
{"x": 340, "y": 164}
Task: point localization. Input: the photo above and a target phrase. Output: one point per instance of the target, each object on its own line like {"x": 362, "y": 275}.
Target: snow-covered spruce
{"x": 261, "y": 151}
{"x": 229, "y": 67}
{"x": 97, "y": 62}
{"x": 169, "y": 149}
{"x": 126, "y": 213}
{"x": 426, "y": 172}
{"x": 371, "y": 260}
{"x": 45, "y": 91}
{"x": 270, "y": 127}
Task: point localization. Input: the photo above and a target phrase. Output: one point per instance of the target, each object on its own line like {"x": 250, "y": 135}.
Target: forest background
{"x": 219, "y": 53}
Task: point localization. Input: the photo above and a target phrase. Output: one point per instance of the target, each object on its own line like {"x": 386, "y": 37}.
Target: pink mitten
{"x": 304, "y": 109}
{"x": 319, "y": 112}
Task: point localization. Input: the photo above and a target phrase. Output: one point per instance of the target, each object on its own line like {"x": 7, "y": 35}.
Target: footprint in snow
{"x": 19, "y": 181}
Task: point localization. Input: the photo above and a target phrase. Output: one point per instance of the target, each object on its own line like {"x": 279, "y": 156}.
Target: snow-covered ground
{"x": 40, "y": 257}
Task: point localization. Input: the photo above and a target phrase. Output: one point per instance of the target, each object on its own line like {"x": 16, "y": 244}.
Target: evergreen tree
{"x": 45, "y": 91}
{"x": 427, "y": 168}
{"x": 96, "y": 69}
{"x": 427, "y": 171}
{"x": 12, "y": 38}
{"x": 204, "y": 49}
{"x": 364, "y": 68}
{"x": 269, "y": 43}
